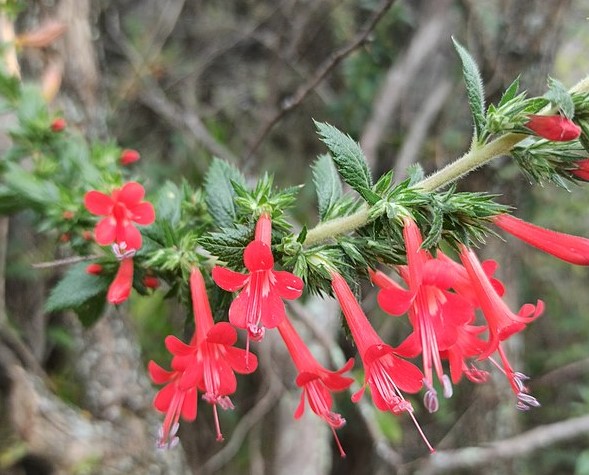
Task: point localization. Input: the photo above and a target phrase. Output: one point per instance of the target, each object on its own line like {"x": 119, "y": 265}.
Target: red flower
{"x": 58, "y": 124}
{"x": 582, "y": 171}
{"x": 573, "y": 249}
{"x": 129, "y": 156}
{"x": 151, "y": 282}
{"x": 121, "y": 286}
{"x": 316, "y": 381}
{"x": 385, "y": 372}
{"x": 259, "y": 305}
{"x": 501, "y": 321}
{"x": 434, "y": 312}
{"x": 208, "y": 364}
{"x": 554, "y": 127}
{"x": 121, "y": 208}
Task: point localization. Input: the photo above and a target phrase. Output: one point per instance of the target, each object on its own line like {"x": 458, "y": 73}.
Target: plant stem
{"x": 473, "y": 159}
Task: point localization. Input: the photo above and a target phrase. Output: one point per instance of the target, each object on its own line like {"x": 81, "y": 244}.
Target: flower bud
{"x": 554, "y": 127}
{"x": 129, "y": 156}
{"x": 151, "y": 282}
{"x": 94, "y": 269}
{"x": 58, "y": 124}
{"x": 583, "y": 171}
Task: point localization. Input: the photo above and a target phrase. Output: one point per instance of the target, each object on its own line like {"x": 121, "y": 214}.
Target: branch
{"x": 323, "y": 70}
{"x": 398, "y": 79}
{"x": 520, "y": 445}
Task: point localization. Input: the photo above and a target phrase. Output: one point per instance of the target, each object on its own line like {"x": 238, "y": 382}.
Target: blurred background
{"x": 185, "y": 80}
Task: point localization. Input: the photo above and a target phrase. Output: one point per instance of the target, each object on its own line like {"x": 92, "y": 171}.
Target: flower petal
{"x": 164, "y": 397}
{"x": 395, "y": 300}
{"x": 222, "y": 334}
{"x": 132, "y": 237}
{"x": 237, "y": 359}
{"x": 272, "y": 311}
{"x": 177, "y": 347}
{"x": 158, "y": 374}
{"x": 189, "y": 405}
{"x": 131, "y": 193}
{"x": 238, "y": 311}
{"x": 258, "y": 256}
{"x": 288, "y": 285}
{"x": 105, "y": 231}
{"x": 142, "y": 213}
{"x": 98, "y": 203}
{"x": 229, "y": 280}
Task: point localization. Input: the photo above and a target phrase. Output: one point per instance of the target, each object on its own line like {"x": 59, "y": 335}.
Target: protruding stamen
{"x": 528, "y": 399}
{"x": 121, "y": 252}
{"x": 476, "y": 375}
{"x": 338, "y": 443}
{"x": 217, "y": 425}
{"x": 447, "y": 385}
{"x": 430, "y": 398}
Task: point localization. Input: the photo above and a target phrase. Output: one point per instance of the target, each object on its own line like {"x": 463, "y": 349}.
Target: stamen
{"x": 338, "y": 443}
{"x": 217, "y": 425}
{"x": 447, "y": 385}
{"x": 430, "y": 398}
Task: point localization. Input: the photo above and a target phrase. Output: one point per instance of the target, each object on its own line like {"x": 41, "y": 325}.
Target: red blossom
{"x": 151, "y": 282}
{"x": 123, "y": 207}
{"x": 259, "y": 305}
{"x": 569, "y": 248}
{"x": 554, "y": 127}
{"x": 121, "y": 286}
{"x": 501, "y": 321}
{"x": 208, "y": 364}
{"x": 316, "y": 381}
{"x": 434, "y": 312}
{"x": 129, "y": 156}
{"x": 385, "y": 372}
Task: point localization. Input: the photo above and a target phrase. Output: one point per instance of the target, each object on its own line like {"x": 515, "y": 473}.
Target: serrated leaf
{"x": 474, "y": 88}
{"x": 559, "y": 97}
{"x": 327, "y": 184}
{"x": 220, "y": 193}
{"x": 228, "y": 244}
{"x": 76, "y": 288}
{"x": 510, "y": 92}
{"x": 415, "y": 173}
{"x": 348, "y": 158}
{"x": 168, "y": 203}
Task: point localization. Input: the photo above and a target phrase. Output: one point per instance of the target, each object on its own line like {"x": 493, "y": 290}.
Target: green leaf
{"x": 228, "y": 244}
{"x": 348, "y": 158}
{"x": 168, "y": 203}
{"x": 219, "y": 191}
{"x": 76, "y": 288}
{"x": 559, "y": 97}
{"x": 474, "y": 89}
{"x": 327, "y": 185}
{"x": 30, "y": 188}
{"x": 509, "y": 93}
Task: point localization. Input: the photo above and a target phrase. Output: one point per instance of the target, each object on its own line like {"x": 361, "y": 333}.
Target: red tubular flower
{"x": 569, "y": 248}
{"x": 316, "y": 381}
{"x": 554, "y": 127}
{"x": 121, "y": 208}
{"x": 259, "y": 305}
{"x": 434, "y": 312}
{"x": 121, "y": 286}
{"x": 58, "y": 124}
{"x": 582, "y": 170}
{"x": 501, "y": 321}
{"x": 208, "y": 363}
{"x": 385, "y": 372}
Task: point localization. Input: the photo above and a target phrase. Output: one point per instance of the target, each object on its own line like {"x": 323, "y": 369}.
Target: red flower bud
{"x": 554, "y": 127}
{"x": 65, "y": 237}
{"x": 120, "y": 288}
{"x": 151, "y": 282}
{"x": 583, "y": 171}
{"x": 129, "y": 156}
{"x": 87, "y": 235}
{"x": 68, "y": 215}
{"x": 94, "y": 269}
{"x": 58, "y": 124}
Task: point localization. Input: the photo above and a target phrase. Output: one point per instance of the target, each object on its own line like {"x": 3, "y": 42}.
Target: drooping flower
{"x": 501, "y": 321}
{"x": 316, "y": 381}
{"x": 259, "y": 305}
{"x": 208, "y": 364}
{"x": 554, "y": 127}
{"x": 434, "y": 312}
{"x": 386, "y": 373}
{"x": 569, "y": 248}
{"x": 123, "y": 207}
{"x": 121, "y": 286}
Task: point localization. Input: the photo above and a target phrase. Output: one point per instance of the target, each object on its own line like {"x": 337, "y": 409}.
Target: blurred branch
{"x": 420, "y": 127}
{"x": 520, "y": 445}
{"x": 155, "y": 98}
{"x": 63, "y": 262}
{"x": 323, "y": 70}
{"x": 399, "y": 78}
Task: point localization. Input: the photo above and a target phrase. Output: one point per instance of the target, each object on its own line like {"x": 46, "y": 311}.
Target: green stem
{"x": 473, "y": 159}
